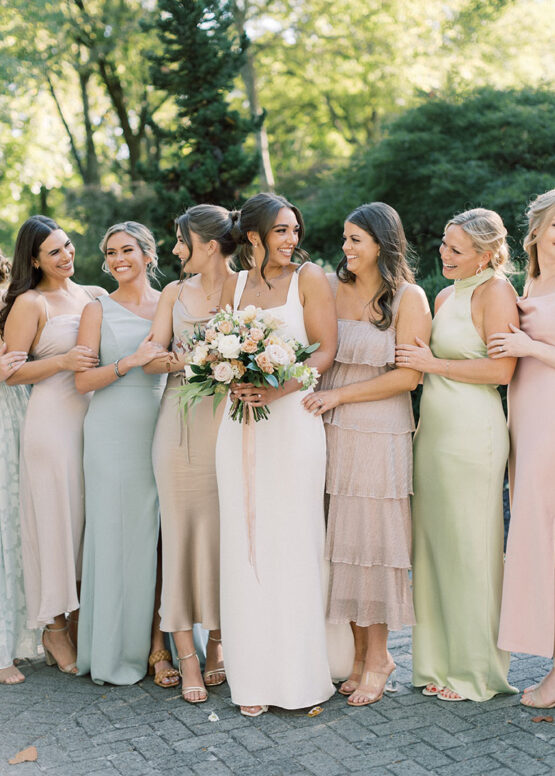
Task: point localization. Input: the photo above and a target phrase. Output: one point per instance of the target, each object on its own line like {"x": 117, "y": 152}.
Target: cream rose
{"x": 200, "y": 354}
{"x": 277, "y": 355}
{"x": 223, "y": 372}
{"x": 210, "y": 335}
{"x": 249, "y": 313}
{"x": 229, "y": 346}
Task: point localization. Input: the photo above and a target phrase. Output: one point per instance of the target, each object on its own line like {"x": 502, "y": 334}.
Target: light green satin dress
{"x": 460, "y": 453}
{"x": 121, "y": 506}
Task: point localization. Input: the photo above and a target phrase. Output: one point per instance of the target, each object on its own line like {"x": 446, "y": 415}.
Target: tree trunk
{"x": 72, "y": 144}
{"x": 92, "y": 167}
{"x": 248, "y": 74}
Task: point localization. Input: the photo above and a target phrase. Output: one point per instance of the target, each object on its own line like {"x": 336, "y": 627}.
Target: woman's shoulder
{"x": 498, "y": 287}
{"x": 27, "y": 301}
{"x": 95, "y": 291}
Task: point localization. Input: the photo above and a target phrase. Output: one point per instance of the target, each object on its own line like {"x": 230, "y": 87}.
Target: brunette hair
{"x": 144, "y": 238}
{"x": 208, "y": 222}
{"x": 5, "y": 268}
{"x": 383, "y": 224}
{"x": 24, "y": 274}
{"x": 259, "y": 214}
{"x": 487, "y": 232}
{"x": 540, "y": 212}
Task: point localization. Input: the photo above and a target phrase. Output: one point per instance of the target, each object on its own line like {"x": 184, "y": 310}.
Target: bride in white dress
{"x": 273, "y": 618}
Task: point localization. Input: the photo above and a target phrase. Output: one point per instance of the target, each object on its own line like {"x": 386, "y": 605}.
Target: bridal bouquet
{"x": 242, "y": 346}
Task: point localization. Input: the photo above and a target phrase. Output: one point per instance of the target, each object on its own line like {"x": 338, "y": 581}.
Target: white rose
{"x": 200, "y": 354}
{"x": 229, "y": 346}
{"x": 278, "y": 355}
{"x": 188, "y": 372}
{"x": 223, "y": 372}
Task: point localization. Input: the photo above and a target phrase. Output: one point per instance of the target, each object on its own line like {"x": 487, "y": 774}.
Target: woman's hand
{"x": 319, "y": 402}
{"x": 418, "y": 356}
{"x": 253, "y": 395}
{"x": 147, "y": 351}
{"x": 79, "y": 359}
{"x": 10, "y": 362}
{"x": 516, "y": 344}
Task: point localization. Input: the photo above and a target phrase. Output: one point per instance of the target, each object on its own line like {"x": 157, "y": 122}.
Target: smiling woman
{"x": 42, "y": 318}
{"x": 121, "y": 534}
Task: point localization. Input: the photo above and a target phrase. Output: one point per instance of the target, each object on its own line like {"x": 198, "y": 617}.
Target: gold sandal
{"x": 185, "y": 690}
{"x": 164, "y": 673}
{"x": 215, "y": 671}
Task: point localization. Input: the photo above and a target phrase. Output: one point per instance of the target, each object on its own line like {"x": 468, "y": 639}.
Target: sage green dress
{"x": 460, "y": 453}
{"x": 121, "y": 507}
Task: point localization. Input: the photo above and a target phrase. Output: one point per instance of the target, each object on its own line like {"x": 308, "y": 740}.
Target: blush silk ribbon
{"x": 249, "y": 482}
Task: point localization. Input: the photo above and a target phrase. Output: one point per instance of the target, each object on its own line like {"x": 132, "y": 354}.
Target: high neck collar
{"x": 474, "y": 280}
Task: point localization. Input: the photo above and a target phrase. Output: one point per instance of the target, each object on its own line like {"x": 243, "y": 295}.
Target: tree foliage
{"x": 490, "y": 149}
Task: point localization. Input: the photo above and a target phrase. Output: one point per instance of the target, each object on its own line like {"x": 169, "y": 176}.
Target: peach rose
{"x": 210, "y": 335}
{"x": 239, "y": 368}
{"x": 225, "y": 327}
{"x": 249, "y": 346}
{"x": 256, "y": 334}
{"x": 264, "y": 363}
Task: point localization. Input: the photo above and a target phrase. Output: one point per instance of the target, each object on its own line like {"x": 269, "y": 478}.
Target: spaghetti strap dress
{"x": 51, "y": 481}
{"x": 184, "y": 458}
{"x": 528, "y": 609}
{"x": 369, "y": 482}
{"x": 273, "y": 622}
{"x": 121, "y": 534}
{"x": 460, "y": 453}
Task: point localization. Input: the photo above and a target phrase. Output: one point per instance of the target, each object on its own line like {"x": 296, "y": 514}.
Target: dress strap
{"x": 90, "y": 294}
{"x": 182, "y": 284}
{"x": 240, "y": 287}
{"x": 397, "y": 300}
{"x": 333, "y": 280}
{"x": 45, "y": 304}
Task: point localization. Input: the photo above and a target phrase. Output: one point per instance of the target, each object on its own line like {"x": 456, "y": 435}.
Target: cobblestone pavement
{"x": 79, "y": 728}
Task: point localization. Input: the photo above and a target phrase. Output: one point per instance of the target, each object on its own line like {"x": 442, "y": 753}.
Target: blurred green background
{"x": 135, "y": 109}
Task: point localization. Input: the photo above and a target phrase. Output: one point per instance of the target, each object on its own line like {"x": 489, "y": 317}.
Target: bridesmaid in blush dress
{"x": 273, "y": 618}
{"x": 528, "y": 609}
{"x": 460, "y": 453}
{"x": 368, "y": 418}
{"x": 121, "y": 532}
{"x": 43, "y": 307}
{"x": 184, "y": 453}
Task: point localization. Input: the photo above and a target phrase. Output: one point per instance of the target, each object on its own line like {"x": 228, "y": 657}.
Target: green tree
{"x": 204, "y": 158}
{"x": 491, "y": 149}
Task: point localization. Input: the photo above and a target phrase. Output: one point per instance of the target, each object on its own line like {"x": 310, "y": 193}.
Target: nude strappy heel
{"x": 185, "y": 690}
{"x": 215, "y": 671}
{"x": 50, "y": 659}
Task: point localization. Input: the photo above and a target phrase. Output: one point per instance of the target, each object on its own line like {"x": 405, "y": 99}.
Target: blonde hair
{"x": 540, "y": 212}
{"x": 145, "y": 240}
{"x": 487, "y": 232}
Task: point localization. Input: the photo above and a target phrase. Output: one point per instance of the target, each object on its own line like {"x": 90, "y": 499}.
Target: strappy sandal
{"x": 215, "y": 671}
{"x": 371, "y": 694}
{"x": 532, "y": 700}
{"x": 185, "y": 690}
{"x": 452, "y": 696}
{"x": 260, "y": 710}
{"x": 71, "y": 668}
{"x": 349, "y": 685}
{"x": 431, "y": 690}
{"x": 164, "y": 673}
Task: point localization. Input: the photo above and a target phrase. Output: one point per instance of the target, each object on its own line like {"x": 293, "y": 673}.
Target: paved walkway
{"x": 79, "y": 728}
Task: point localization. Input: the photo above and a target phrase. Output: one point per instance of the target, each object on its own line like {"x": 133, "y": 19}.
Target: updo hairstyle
{"x": 209, "y": 222}
{"x": 487, "y": 232}
{"x": 259, "y": 214}
{"x": 540, "y": 213}
{"x": 145, "y": 240}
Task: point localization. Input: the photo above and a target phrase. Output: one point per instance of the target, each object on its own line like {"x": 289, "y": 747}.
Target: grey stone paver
{"x": 80, "y": 728}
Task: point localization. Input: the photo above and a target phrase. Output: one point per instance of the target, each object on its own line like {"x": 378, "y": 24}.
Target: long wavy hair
{"x": 259, "y": 214}
{"x": 24, "y": 274}
{"x": 540, "y": 212}
{"x": 383, "y": 224}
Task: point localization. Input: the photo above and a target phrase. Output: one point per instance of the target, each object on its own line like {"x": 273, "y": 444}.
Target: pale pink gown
{"x": 528, "y": 607}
